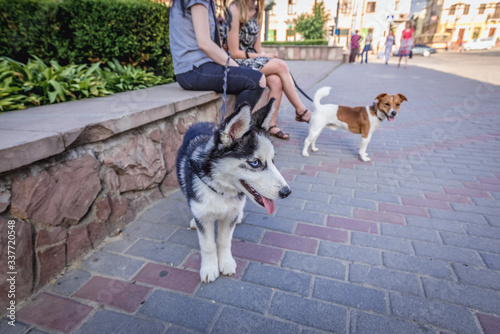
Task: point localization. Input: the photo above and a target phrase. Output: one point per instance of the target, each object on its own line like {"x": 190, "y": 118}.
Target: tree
{"x": 312, "y": 26}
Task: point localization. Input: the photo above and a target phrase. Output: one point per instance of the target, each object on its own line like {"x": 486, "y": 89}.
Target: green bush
{"x": 305, "y": 42}
{"x": 121, "y": 78}
{"x": 31, "y": 27}
{"x": 87, "y": 31}
{"x": 36, "y": 83}
{"x": 312, "y": 26}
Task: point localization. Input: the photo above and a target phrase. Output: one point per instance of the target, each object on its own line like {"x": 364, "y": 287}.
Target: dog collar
{"x": 196, "y": 170}
{"x": 376, "y": 112}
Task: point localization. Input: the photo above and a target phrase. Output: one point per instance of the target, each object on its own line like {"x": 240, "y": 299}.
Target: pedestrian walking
{"x": 198, "y": 58}
{"x": 389, "y": 42}
{"x": 406, "y": 43}
{"x": 368, "y": 46}
{"x": 354, "y": 46}
{"x": 242, "y": 26}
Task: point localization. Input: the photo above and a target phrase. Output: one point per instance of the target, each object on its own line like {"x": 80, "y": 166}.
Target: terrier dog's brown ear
{"x": 402, "y": 97}
{"x": 380, "y": 96}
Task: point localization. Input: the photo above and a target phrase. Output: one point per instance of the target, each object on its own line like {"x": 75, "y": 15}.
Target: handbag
{"x": 380, "y": 55}
{"x": 411, "y": 54}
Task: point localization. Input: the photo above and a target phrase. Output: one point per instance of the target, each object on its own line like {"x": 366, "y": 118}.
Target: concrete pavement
{"x": 408, "y": 243}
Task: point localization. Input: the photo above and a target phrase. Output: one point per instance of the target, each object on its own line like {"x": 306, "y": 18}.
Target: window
{"x": 370, "y": 7}
{"x": 496, "y": 14}
{"x": 343, "y": 32}
{"x": 492, "y": 32}
{"x": 271, "y": 35}
{"x": 452, "y": 10}
{"x": 292, "y": 4}
{"x": 476, "y": 33}
{"x": 345, "y": 8}
{"x": 290, "y": 35}
{"x": 448, "y": 31}
{"x": 482, "y": 7}
{"x": 466, "y": 9}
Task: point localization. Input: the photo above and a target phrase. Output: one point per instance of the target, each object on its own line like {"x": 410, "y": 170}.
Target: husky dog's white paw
{"x": 227, "y": 266}
{"x": 365, "y": 157}
{"x": 239, "y": 219}
{"x": 192, "y": 225}
{"x": 209, "y": 273}
{"x": 305, "y": 153}
{"x": 314, "y": 149}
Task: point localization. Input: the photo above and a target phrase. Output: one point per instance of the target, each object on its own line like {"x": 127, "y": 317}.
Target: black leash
{"x": 299, "y": 89}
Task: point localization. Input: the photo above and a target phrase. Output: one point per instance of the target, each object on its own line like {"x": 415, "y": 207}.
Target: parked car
{"x": 479, "y": 44}
{"x": 420, "y": 49}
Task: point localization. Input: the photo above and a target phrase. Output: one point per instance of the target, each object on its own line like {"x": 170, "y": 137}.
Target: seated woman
{"x": 198, "y": 58}
{"x": 244, "y": 23}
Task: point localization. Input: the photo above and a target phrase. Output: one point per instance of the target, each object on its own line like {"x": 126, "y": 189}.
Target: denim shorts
{"x": 210, "y": 76}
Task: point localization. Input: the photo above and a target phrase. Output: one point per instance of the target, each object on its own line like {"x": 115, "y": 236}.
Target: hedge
{"x": 304, "y": 42}
{"x": 87, "y": 31}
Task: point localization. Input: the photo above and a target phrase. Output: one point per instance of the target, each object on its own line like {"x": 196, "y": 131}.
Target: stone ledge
{"x": 305, "y": 52}
{"x": 30, "y": 135}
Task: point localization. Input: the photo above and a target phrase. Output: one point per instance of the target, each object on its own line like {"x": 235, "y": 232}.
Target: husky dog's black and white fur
{"x": 216, "y": 168}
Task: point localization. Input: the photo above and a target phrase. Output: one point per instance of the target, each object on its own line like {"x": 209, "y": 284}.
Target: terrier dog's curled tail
{"x": 321, "y": 93}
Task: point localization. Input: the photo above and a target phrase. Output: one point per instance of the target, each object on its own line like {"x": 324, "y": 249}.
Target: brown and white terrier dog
{"x": 359, "y": 120}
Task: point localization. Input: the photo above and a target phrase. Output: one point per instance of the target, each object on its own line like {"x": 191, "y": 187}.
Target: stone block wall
{"x": 65, "y": 205}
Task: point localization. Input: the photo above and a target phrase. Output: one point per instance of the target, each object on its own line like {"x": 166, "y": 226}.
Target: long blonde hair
{"x": 243, "y": 7}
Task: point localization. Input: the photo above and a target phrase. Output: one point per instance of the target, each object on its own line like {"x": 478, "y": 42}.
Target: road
{"x": 478, "y": 65}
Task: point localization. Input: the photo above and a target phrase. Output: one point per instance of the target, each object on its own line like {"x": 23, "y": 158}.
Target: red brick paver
{"x": 169, "y": 277}
{"x": 426, "y": 203}
{"x": 54, "y": 313}
{"x": 353, "y": 224}
{"x": 255, "y": 252}
{"x": 490, "y": 324}
{"x": 324, "y": 233}
{"x": 123, "y": 295}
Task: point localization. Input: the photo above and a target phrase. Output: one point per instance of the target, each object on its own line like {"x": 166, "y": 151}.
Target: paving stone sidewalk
{"x": 408, "y": 243}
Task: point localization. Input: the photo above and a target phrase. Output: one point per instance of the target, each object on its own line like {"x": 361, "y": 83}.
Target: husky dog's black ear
{"x": 262, "y": 117}
{"x": 236, "y": 125}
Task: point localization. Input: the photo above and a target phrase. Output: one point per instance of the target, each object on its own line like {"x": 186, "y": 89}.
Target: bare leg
{"x": 399, "y": 62}
{"x": 279, "y": 67}
{"x": 274, "y": 84}
{"x": 406, "y": 61}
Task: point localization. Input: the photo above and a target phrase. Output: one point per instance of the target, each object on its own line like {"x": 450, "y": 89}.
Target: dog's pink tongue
{"x": 391, "y": 119}
{"x": 269, "y": 204}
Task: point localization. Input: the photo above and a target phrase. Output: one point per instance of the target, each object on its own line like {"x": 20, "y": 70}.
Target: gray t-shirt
{"x": 186, "y": 53}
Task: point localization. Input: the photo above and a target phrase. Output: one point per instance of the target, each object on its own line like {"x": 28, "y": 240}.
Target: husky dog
{"x": 216, "y": 168}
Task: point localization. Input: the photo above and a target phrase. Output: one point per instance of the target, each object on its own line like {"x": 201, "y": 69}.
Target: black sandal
{"x": 299, "y": 117}
{"x": 280, "y": 134}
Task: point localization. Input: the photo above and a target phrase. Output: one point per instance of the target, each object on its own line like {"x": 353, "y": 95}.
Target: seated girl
{"x": 243, "y": 26}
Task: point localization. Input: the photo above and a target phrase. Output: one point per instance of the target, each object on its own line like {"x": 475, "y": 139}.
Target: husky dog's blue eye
{"x": 255, "y": 163}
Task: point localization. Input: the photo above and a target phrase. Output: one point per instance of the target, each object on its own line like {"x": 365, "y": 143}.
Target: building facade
{"x": 447, "y": 23}
{"x": 364, "y": 15}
